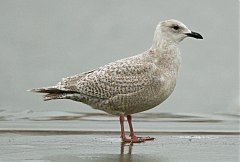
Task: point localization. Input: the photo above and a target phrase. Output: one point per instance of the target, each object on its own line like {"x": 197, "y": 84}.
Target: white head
{"x": 174, "y": 31}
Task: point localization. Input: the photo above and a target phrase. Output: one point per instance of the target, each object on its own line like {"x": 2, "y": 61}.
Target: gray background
{"x": 42, "y": 41}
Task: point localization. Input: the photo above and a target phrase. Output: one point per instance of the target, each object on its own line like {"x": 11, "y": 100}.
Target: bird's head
{"x": 174, "y": 31}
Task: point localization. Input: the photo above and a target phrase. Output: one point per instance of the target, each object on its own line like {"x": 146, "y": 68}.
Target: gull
{"x": 130, "y": 85}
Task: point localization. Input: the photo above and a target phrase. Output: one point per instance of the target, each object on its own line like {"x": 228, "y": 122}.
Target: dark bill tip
{"x": 194, "y": 35}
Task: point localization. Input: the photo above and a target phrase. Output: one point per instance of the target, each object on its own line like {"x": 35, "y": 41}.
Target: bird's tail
{"x": 51, "y": 89}
{"x": 52, "y": 93}
{"x": 54, "y": 96}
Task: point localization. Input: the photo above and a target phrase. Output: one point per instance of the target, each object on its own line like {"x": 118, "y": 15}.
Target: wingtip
{"x": 29, "y": 90}
{"x": 33, "y": 90}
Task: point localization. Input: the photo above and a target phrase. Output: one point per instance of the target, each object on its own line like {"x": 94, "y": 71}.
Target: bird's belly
{"x": 143, "y": 100}
{"x": 151, "y": 97}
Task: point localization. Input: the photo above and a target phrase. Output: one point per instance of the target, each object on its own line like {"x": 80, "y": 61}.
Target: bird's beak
{"x": 194, "y": 35}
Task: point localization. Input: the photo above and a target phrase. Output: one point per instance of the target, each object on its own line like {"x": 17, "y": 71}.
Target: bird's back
{"x": 120, "y": 77}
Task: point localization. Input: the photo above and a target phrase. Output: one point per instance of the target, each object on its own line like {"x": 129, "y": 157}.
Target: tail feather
{"x": 53, "y": 93}
{"x": 53, "y": 96}
{"x": 52, "y": 89}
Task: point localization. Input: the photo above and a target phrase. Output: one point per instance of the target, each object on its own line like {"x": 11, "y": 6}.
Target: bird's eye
{"x": 175, "y": 27}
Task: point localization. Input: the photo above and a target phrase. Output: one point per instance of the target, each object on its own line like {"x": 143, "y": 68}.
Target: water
{"x": 100, "y": 122}
{"x": 60, "y": 136}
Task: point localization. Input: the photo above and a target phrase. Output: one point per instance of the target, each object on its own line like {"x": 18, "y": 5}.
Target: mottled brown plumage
{"x": 129, "y": 85}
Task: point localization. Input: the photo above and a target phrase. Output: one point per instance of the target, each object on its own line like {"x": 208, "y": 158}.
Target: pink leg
{"x": 124, "y": 138}
{"x": 129, "y": 118}
{"x": 132, "y": 135}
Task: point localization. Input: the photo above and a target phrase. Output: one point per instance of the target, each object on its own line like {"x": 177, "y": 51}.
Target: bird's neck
{"x": 160, "y": 39}
{"x": 165, "y": 53}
